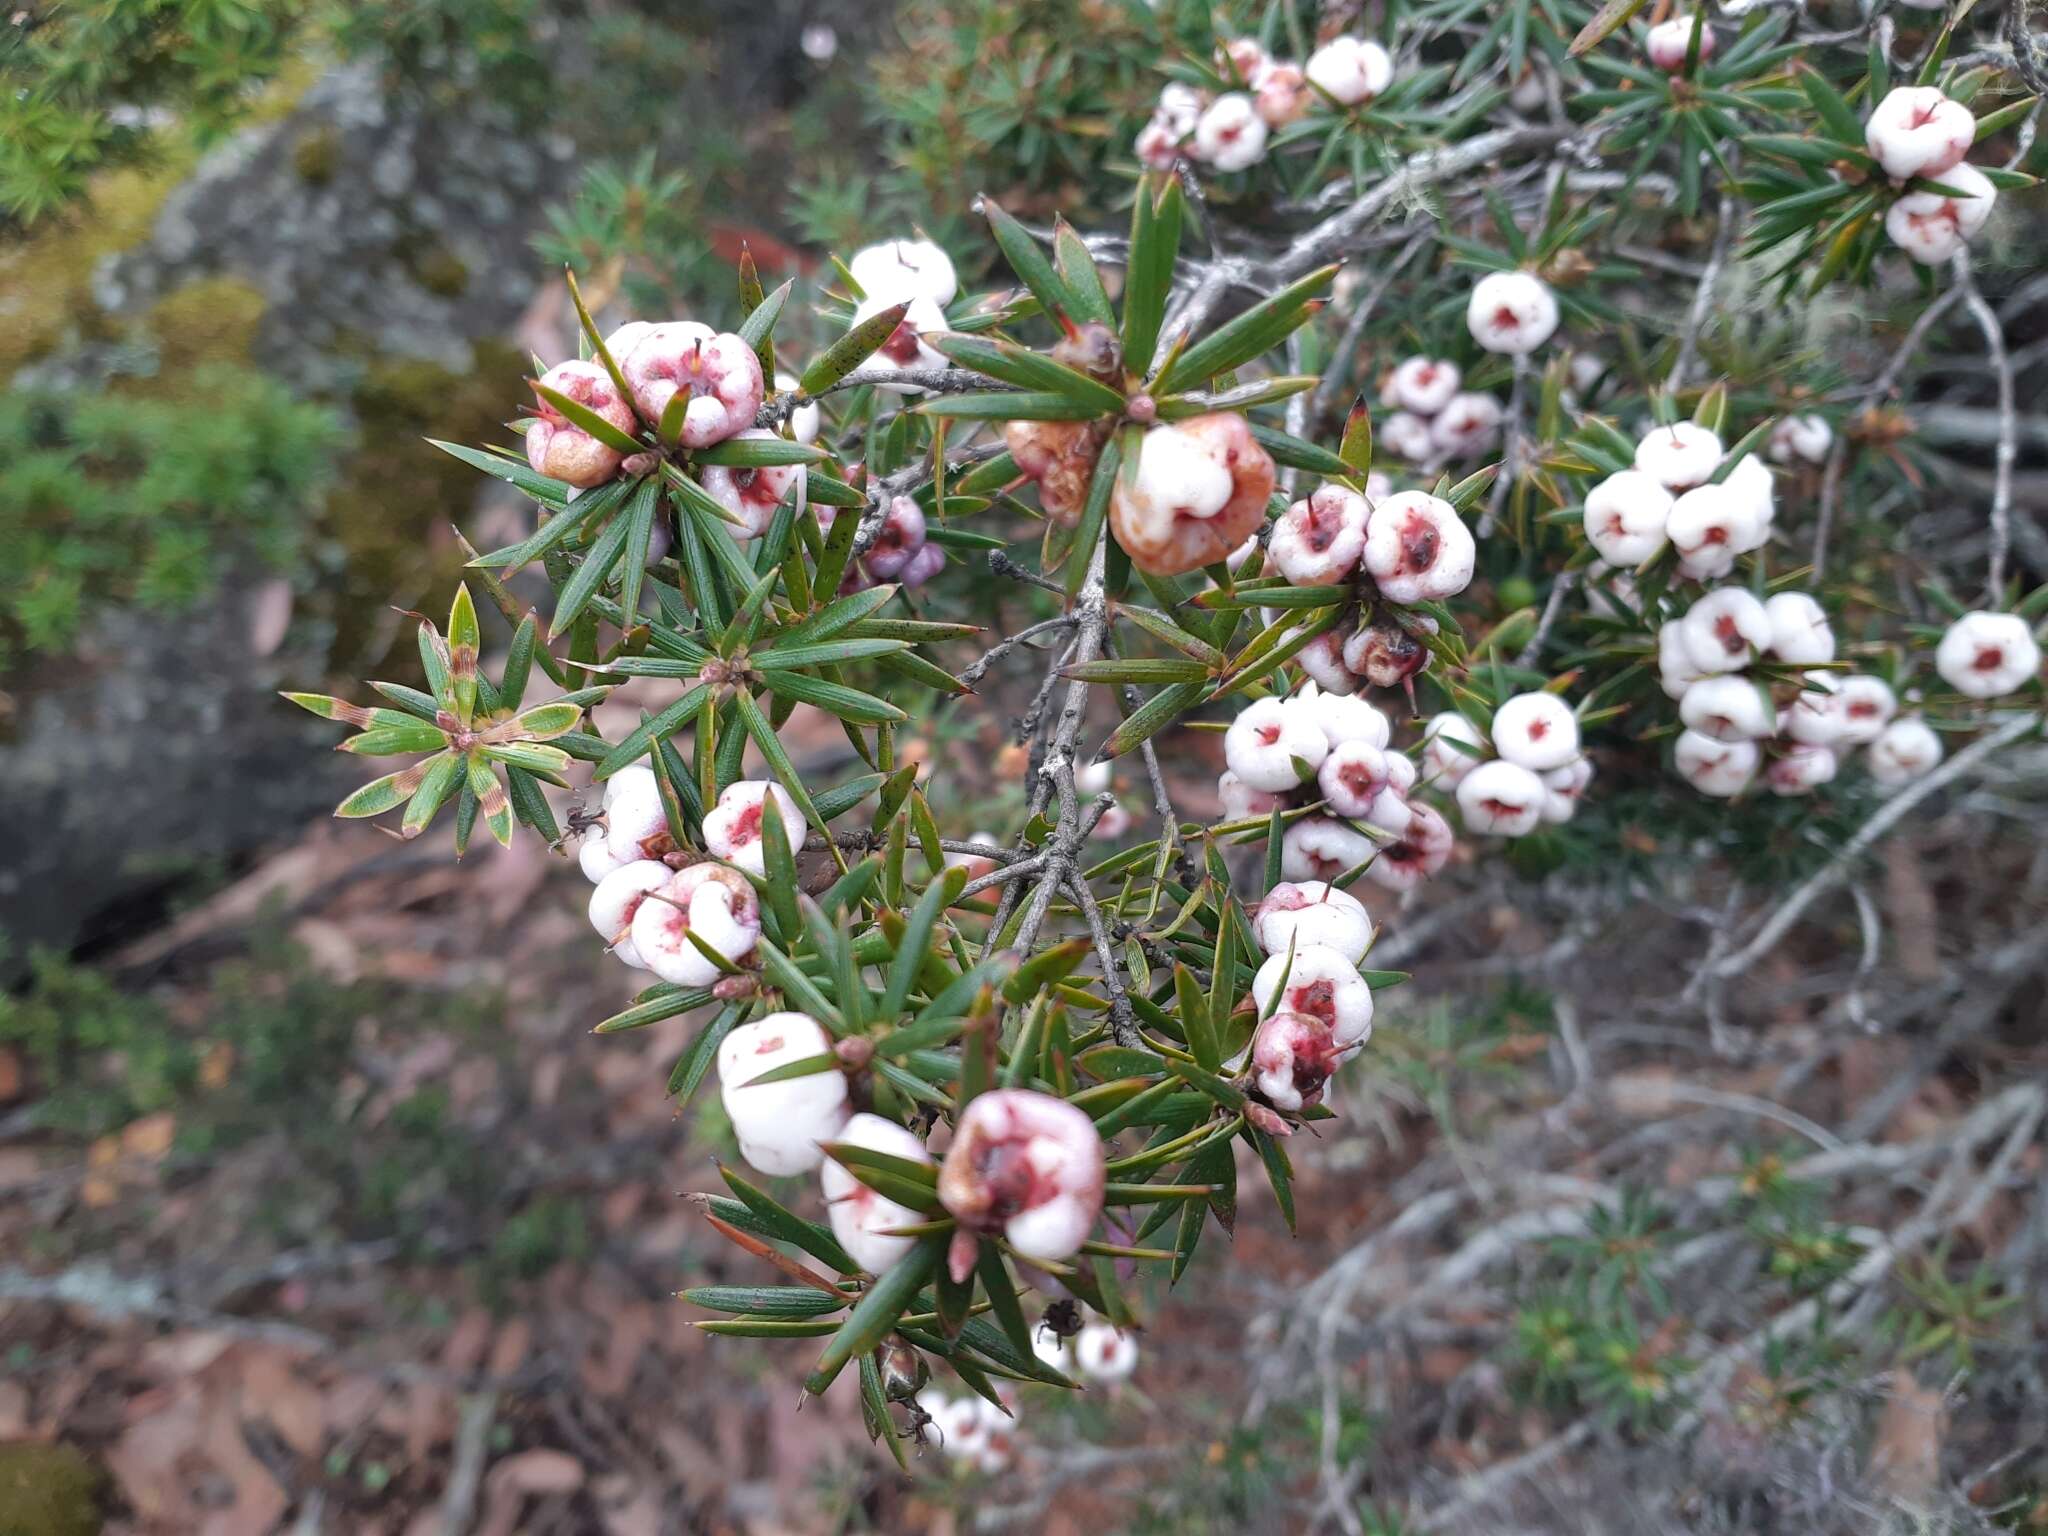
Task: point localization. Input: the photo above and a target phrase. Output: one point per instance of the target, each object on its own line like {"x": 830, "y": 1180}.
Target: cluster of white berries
{"x": 1332, "y": 747}
{"x": 1315, "y": 1008}
{"x": 654, "y": 915}
{"x": 1512, "y": 313}
{"x": 1536, "y": 773}
{"x": 1671, "y": 497}
{"x": 1917, "y": 132}
{"x": 1433, "y": 419}
{"x": 1229, "y": 130}
{"x": 1735, "y": 725}
{"x": 973, "y": 1430}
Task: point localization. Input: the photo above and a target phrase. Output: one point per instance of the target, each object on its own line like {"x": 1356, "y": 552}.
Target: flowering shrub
{"x": 1597, "y": 524}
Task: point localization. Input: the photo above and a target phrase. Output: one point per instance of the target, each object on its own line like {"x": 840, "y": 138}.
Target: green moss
{"x": 440, "y": 271}
{"x": 48, "y": 1490}
{"x": 317, "y": 156}
{"x": 208, "y": 320}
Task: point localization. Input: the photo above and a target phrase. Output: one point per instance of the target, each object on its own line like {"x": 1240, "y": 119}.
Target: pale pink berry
{"x": 1407, "y": 436}
{"x": 617, "y": 898}
{"x": 635, "y": 819}
{"x": 1293, "y": 1056}
{"x": 1751, "y": 479}
{"x": 1501, "y": 799}
{"x": 1384, "y": 654}
{"x": 862, "y": 1219}
{"x": 750, "y": 495}
{"x": 1800, "y": 770}
{"x": 1675, "y": 667}
{"x": 897, "y": 270}
{"x": 1729, "y": 708}
{"x": 1865, "y": 705}
{"x": 1027, "y": 1165}
{"x": 1680, "y": 456}
{"x": 1273, "y": 746}
{"x": 1350, "y": 70}
{"x": 1424, "y": 385}
{"x": 906, "y": 346}
{"x": 1104, "y": 1354}
{"x": 1281, "y": 94}
{"x": 779, "y": 1125}
{"x": 1180, "y": 107}
{"x": 732, "y": 828}
{"x": 1814, "y": 715}
{"x": 1243, "y": 58}
{"x": 1321, "y": 984}
{"x": 1352, "y": 777}
{"x": 1670, "y": 41}
{"x": 1378, "y": 487}
{"x": 1320, "y": 848}
{"x": 1421, "y": 846}
{"x": 1805, "y": 438}
{"x": 1800, "y": 632}
{"x": 1443, "y": 757}
{"x": 1625, "y": 517}
{"x": 923, "y": 565}
{"x": 1718, "y": 768}
{"x": 1511, "y": 312}
{"x": 595, "y": 857}
{"x": 1317, "y": 542}
{"x": 1918, "y": 131}
{"x": 1241, "y": 802}
{"x": 1724, "y": 630}
{"x": 900, "y": 537}
{"x": 1904, "y": 750}
{"x": 1709, "y": 526}
{"x": 1345, "y": 719}
{"x": 1296, "y": 914}
{"x": 1537, "y": 731}
{"x": 717, "y": 374}
{"x": 1564, "y": 787}
{"x": 563, "y": 451}
{"x": 1323, "y": 660}
{"x": 1987, "y": 655}
{"x": 1157, "y": 145}
{"x": 622, "y": 341}
{"x": 1231, "y": 135}
{"x": 1468, "y": 427}
{"x": 717, "y": 905}
{"x": 1201, "y": 487}
{"x": 805, "y": 421}
{"x": 1402, "y": 772}
{"x": 1932, "y": 226}
{"x": 1417, "y": 549}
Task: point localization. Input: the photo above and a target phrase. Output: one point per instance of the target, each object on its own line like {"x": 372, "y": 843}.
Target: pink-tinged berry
{"x": 1625, "y": 517}
{"x": 1318, "y": 541}
{"x": 1320, "y": 983}
{"x": 906, "y": 346}
{"x": 1511, "y": 312}
{"x": 1918, "y": 131}
{"x": 1423, "y": 385}
{"x": 1323, "y": 660}
{"x": 1904, "y": 750}
{"x": 1201, "y": 487}
{"x": 1352, "y": 777}
{"x": 1026, "y": 1165}
{"x": 716, "y": 373}
{"x": 1468, "y": 427}
{"x": 750, "y": 495}
{"x": 1719, "y": 768}
{"x": 779, "y": 1125}
{"x": 1417, "y": 549}
{"x": 1501, "y": 799}
{"x": 1407, "y": 436}
{"x": 1321, "y": 848}
{"x": 1800, "y": 770}
{"x": 1564, "y": 788}
{"x": 1343, "y": 718}
{"x": 1988, "y": 655}
{"x": 1241, "y": 802}
{"x": 1680, "y": 456}
{"x": 1104, "y": 1354}
{"x": 557, "y": 448}
{"x": 900, "y": 537}
{"x": 861, "y": 1218}
{"x": 1444, "y": 740}
{"x": 1802, "y": 438}
{"x": 1537, "y": 731}
{"x": 1421, "y": 846}
{"x": 1931, "y": 227}
{"x": 1297, "y": 914}
{"x": 1231, "y": 135}
{"x": 1274, "y": 744}
{"x": 704, "y": 900}
{"x": 1350, "y": 70}
{"x": 1800, "y": 632}
{"x": 732, "y": 828}
{"x": 1281, "y": 94}
{"x": 1293, "y": 1056}
{"x": 1729, "y": 708}
{"x": 1725, "y": 630}
{"x": 1670, "y": 41}
{"x": 1865, "y": 705}
{"x": 617, "y": 898}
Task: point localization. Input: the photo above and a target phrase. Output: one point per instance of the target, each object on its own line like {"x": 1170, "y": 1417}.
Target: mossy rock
{"x": 208, "y": 320}
{"x": 48, "y": 1490}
